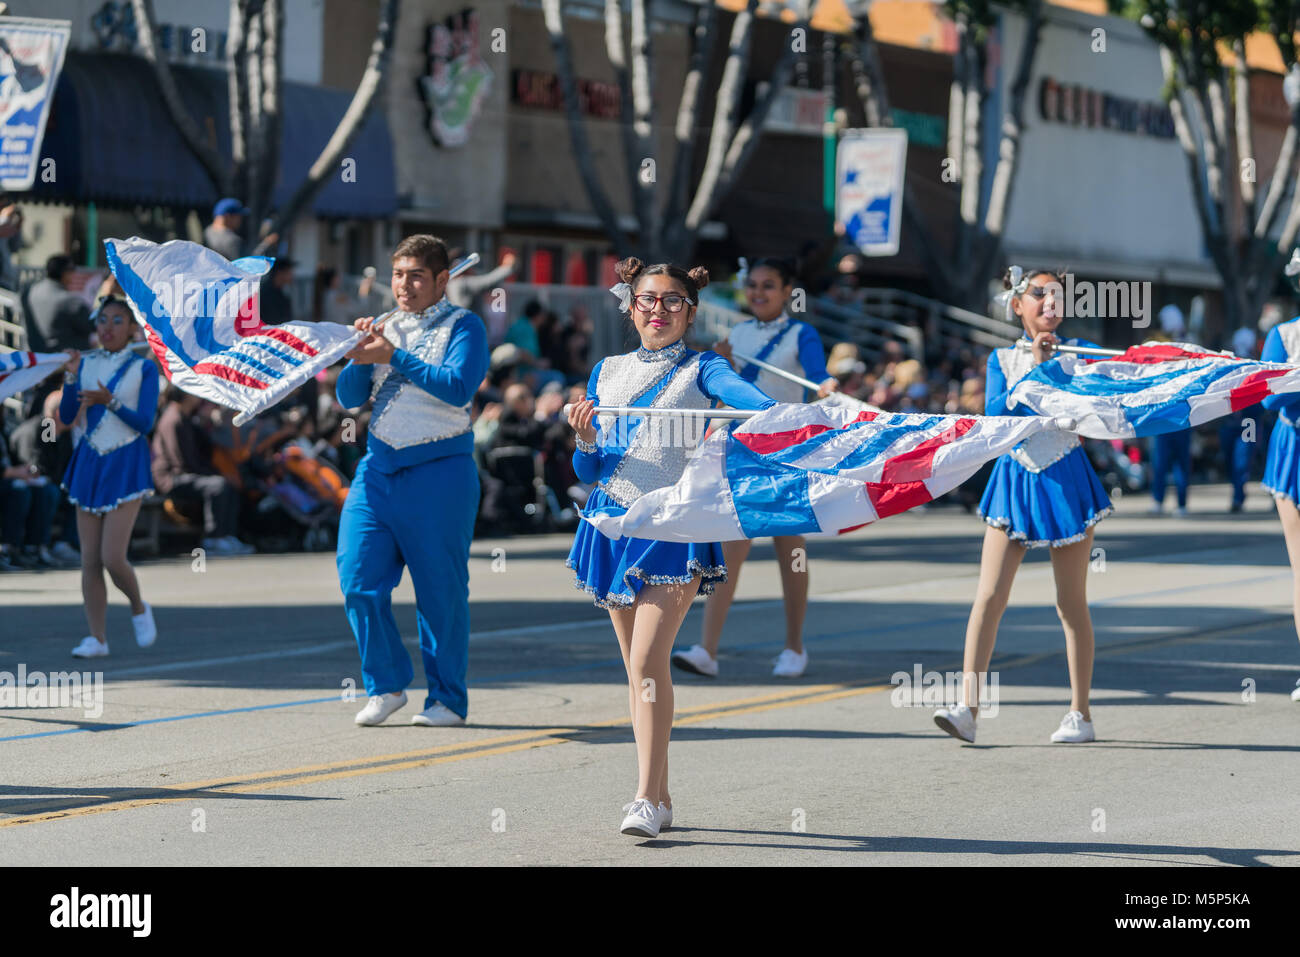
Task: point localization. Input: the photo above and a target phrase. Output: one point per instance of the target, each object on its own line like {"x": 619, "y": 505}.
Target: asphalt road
{"x": 231, "y": 741}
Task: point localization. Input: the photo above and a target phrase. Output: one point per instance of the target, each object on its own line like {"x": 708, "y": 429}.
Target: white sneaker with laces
{"x": 665, "y": 816}
{"x": 378, "y": 708}
{"x": 958, "y": 721}
{"x": 438, "y": 716}
{"x": 90, "y": 647}
{"x": 696, "y": 660}
{"x": 642, "y": 819}
{"x": 790, "y": 664}
{"x": 1074, "y": 730}
{"x": 146, "y": 632}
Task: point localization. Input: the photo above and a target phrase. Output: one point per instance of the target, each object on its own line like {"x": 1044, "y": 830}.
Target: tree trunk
{"x": 328, "y": 162}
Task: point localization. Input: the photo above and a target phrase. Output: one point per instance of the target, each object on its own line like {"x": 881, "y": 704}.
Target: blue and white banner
{"x": 20, "y": 371}
{"x": 31, "y": 58}
{"x": 202, "y": 318}
{"x": 869, "y": 169}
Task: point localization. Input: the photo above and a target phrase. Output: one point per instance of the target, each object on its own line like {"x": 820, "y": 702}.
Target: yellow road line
{"x": 531, "y": 740}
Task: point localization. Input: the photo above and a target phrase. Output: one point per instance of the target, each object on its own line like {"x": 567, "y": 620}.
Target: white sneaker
{"x": 958, "y": 721}
{"x": 1180, "y": 511}
{"x": 1073, "y": 730}
{"x": 378, "y": 708}
{"x": 696, "y": 660}
{"x": 1295, "y": 695}
{"x": 90, "y": 647}
{"x": 216, "y": 546}
{"x": 237, "y": 547}
{"x": 665, "y": 816}
{"x": 790, "y": 664}
{"x": 1155, "y": 509}
{"x": 438, "y": 716}
{"x": 146, "y": 632}
{"x": 642, "y": 819}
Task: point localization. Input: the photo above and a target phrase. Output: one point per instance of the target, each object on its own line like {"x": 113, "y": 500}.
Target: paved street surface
{"x": 231, "y": 742}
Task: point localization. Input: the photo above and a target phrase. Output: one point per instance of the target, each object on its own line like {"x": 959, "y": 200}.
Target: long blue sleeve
{"x": 353, "y": 386}
{"x": 457, "y": 377}
{"x": 1275, "y": 351}
{"x": 586, "y": 465}
{"x": 71, "y": 401}
{"x": 995, "y": 387}
{"x": 141, "y": 417}
{"x": 718, "y": 380}
{"x": 811, "y": 355}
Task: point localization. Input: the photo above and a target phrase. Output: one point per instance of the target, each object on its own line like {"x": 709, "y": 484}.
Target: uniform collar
{"x": 669, "y": 353}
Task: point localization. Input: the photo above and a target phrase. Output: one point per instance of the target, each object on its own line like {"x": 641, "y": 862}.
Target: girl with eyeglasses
{"x": 772, "y": 337}
{"x": 110, "y": 397}
{"x": 1042, "y": 494}
{"x": 647, "y": 586}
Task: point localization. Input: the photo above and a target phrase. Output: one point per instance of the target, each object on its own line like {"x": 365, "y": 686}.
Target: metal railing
{"x": 13, "y": 337}
{"x": 943, "y": 325}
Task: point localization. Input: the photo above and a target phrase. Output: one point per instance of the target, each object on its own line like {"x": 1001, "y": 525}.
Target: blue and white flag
{"x": 202, "y": 319}
{"x": 817, "y": 470}
{"x": 20, "y": 371}
{"x": 1150, "y": 389}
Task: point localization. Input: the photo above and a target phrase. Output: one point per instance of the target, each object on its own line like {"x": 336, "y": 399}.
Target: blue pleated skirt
{"x": 613, "y": 572}
{"x": 1282, "y": 468}
{"x": 1051, "y": 508}
{"x": 100, "y": 483}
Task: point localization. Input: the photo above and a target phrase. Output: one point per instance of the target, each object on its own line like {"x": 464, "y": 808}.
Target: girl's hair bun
{"x": 628, "y": 269}
{"x": 700, "y": 276}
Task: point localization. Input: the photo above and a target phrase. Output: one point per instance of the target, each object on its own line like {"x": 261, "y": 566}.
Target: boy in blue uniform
{"x": 415, "y": 493}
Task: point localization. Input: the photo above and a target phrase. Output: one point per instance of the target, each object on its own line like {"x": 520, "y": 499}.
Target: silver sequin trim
{"x": 104, "y": 509}
{"x": 1044, "y": 449}
{"x": 413, "y": 416}
{"x": 111, "y": 433}
{"x": 1023, "y": 539}
{"x": 709, "y": 576}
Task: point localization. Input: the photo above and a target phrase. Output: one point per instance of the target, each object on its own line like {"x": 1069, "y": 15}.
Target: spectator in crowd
{"x": 332, "y": 303}
{"x": 11, "y": 225}
{"x": 276, "y": 306}
{"x": 223, "y": 235}
{"x": 42, "y": 444}
{"x": 465, "y": 289}
{"x": 522, "y": 333}
{"x": 519, "y": 425}
{"x": 182, "y": 470}
{"x": 56, "y": 317}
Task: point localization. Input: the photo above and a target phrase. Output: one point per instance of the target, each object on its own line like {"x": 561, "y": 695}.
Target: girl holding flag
{"x": 1044, "y": 493}
{"x": 772, "y": 337}
{"x": 110, "y": 396}
{"x": 1282, "y": 468}
{"x": 647, "y": 586}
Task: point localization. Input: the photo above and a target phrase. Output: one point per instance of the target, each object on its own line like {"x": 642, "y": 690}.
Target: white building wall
{"x": 1090, "y": 196}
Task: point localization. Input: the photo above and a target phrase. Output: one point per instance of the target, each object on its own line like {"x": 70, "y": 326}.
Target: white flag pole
{"x": 806, "y": 383}
{"x": 1024, "y": 346}
{"x": 698, "y": 413}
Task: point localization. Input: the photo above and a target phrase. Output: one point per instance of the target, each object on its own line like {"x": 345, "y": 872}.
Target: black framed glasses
{"x": 672, "y": 302}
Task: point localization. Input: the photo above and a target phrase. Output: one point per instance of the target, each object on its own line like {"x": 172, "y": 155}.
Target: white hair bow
{"x": 1293, "y": 267}
{"x": 1019, "y": 283}
{"x": 624, "y": 293}
{"x": 742, "y": 274}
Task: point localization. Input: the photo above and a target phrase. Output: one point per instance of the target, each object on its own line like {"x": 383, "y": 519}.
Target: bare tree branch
{"x": 353, "y": 119}
{"x": 687, "y": 112}
{"x": 1244, "y": 129}
{"x": 645, "y": 180}
{"x": 725, "y": 113}
{"x": 236, "y": 64}
{"x": 205, "y": 153}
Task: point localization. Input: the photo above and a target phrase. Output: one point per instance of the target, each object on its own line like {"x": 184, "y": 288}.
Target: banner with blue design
{"x": 31, "y": 57}
{"x": 869, "y": 170}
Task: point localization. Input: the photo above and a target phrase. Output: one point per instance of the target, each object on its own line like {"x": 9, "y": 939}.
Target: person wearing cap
{"x": 223, "y": 235}
{"x": 1171, "y": 449}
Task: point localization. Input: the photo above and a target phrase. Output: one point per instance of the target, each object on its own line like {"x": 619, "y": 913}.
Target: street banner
{"x": 31, "y": 56}
{"x": 869, "y": 171}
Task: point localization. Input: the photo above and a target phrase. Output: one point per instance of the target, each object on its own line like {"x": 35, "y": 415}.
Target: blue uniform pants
{"x": 1238, "y": 455}
{"x": 421, "y": 518}
{"x": 1171, "y": 449}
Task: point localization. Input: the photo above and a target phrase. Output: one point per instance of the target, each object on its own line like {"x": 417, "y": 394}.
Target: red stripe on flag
{"x": 892, "y": 498}
{"x": 229, "y": 374}
{"x": 249, "y": 323}
{"x": 915, "y": 464}
{"x": 765, "y": 443}
{"x": 160, "y": 350}
{"x": 1253, "y": 388}
{"x": 852, "y": 528}
{"x": 1149, "y": 355}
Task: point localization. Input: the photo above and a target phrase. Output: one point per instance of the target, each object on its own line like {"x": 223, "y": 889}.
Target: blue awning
{"x": 113, "y": 142}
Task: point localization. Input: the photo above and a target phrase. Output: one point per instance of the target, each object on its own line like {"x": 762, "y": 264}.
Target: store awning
{"x": 112, "y": 141}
